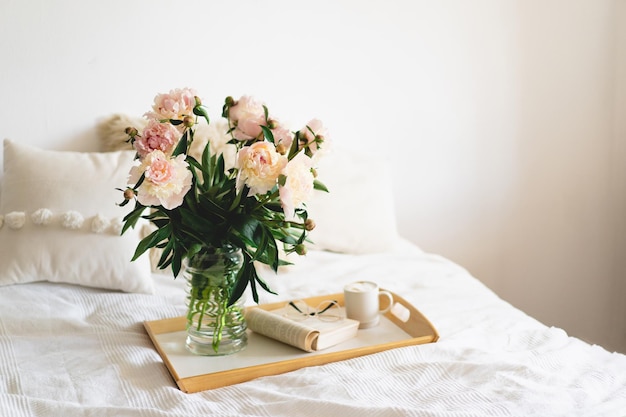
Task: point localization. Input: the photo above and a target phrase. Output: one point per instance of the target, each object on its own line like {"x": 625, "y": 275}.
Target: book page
{"x": 281, "y": 328}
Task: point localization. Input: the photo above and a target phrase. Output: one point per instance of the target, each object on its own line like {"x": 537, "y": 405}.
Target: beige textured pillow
{"x": 111, "y": 131}
{"x": 60, "y": 221}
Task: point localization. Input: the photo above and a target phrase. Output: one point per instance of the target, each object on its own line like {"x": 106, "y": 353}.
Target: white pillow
{"x": 357, "y": 215}
{"x": 59, "y": 220}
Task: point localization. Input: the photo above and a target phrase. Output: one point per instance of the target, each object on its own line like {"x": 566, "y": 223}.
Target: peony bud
{"x": 281, "y": 148}
{"x": 198, "y": 101}
{"x": 131, "y": 131}
{"x": 272, "y": 124}
{"x": 300, "y": 249}
{"x": 302, "y": 142}
{"x": 230, "y": 102}
{"x": 129, "y": 193}
{"x": 309, "y": 224}
{"x": 188, "y": 121}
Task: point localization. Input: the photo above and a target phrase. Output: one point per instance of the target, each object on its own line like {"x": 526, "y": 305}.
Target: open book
{"x": 309, "y": 335}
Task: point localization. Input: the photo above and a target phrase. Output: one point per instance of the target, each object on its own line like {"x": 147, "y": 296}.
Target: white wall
{"x": 504, "y": 120}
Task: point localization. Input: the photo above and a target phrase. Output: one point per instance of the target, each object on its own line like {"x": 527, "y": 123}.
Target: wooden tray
{"x": 404, "y": 325}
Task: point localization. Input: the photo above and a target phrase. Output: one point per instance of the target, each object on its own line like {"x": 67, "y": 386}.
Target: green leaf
{"x": 196, "y": 221}
{"x": 282, "y": 262}
{"x": 155, "y": 215}
{"x": 264, "y": 285}
{"x": 246, "y": 226}
{"x": 247, "y": 275}
{"x": 193, "y": 162}
{"x": 252, "y": 280}
{"x": 206, "y": 164}
{"x": 181, "y": 147}
{"x": 211, "y": 211}
{"x": 238, "y": 197}
{"x": 295, "y": 146}
{"x": 176, "y": 263}
{"x": 288, "y": 239}
{"x": 317, "y": 185}
{"x": 160, "y": 222}
{"x": 202, "y": 112}
{"x": 197, "y": 186}
{"x": 151, "y": 241}
{"x": 165, "y": 258}
{"x": 265, "y": 112}
{"x": 269, "y": 136}
{"x": 268, "y": 250}
{"x": 261, "y": 240}
{"x": 243, "y": 277}
{"x": 220, "y": 169}
{"x": 131, "y": 218}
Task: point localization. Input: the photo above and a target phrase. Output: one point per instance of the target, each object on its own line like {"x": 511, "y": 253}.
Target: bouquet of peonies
{"x": 255, "y": 202}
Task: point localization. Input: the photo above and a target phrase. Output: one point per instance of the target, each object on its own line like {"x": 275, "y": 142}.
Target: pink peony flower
{"x": 259, "y": 166}
{"x": 157, "y": 136}
{"x": 166, "y": 182}
{"x": 319, "y": 132}
{"x": 247, "y": 116}
{"x": 176, "y": 104}
{"x": 298, "y": 187}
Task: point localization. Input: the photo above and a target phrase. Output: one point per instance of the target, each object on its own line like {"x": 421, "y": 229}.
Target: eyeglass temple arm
{"x": 291, "y": 303}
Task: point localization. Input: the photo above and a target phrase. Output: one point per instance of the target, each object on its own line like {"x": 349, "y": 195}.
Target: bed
{"x": 73, "y": 342}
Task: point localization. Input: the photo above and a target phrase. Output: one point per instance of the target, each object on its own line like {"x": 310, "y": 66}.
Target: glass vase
{"x": 213, "y": 327}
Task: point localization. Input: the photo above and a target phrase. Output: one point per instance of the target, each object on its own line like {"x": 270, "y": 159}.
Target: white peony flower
{"x": 259, "y": 166}
{"x": 298, "y": 187}
{"x": 166, "y": 180}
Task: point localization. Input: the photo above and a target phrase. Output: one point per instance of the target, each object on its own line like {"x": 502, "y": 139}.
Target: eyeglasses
{"x": 328, "y": 310}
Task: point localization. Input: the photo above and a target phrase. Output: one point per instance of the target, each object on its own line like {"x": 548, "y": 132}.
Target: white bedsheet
{"x": 74, "y": 351}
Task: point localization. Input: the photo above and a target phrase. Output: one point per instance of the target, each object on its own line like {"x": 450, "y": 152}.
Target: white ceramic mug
{"x": 361, "y": 300}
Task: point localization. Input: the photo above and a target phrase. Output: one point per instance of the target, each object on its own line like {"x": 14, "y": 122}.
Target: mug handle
{"x": 390, "y": 297}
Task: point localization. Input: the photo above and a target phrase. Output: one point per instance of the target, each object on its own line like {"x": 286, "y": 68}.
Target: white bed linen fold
{"x": 75, "y": 351}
